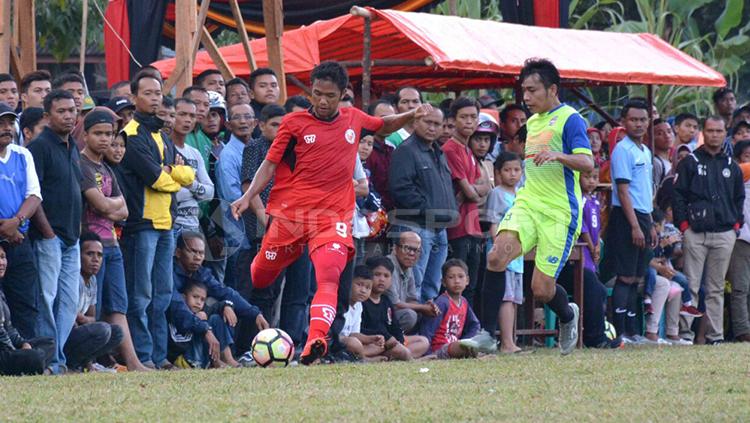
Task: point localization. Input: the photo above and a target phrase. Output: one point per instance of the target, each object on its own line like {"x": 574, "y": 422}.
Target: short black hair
{"x": 260, "y": 72}
{"x": 740, "y": 110}
{"x": 379, "y": 261}
{"x": 192, "y": 284}
{"x": 30, "y": 118}
{"x": 67, "y": 77}
{"x": 331, "y": 71}
{"x": 88, "y": 236}
{"x": 685, "y": 116}
{"x": 460, "y": 103}
{"x": 270, "y": 111}
{"x": 189, "y": 90}
{"x": 185, "y": 236}
{"x": 738, "y": 148}
{"x": 454, "y": 262}
{"x": 373, "y": 106}
{"x": 600, "y": 125}
{"x": 509, "y": 108}
{"x": 721, "y": 93}
{"x": 634, "y": 104}
{"x": 5, "y": 77}
{"x": 657, "y": 216}
{"x": 236, "y": 81}
{"x": 737, "y": 126}
{"x": 55, "y": 95}
{"x": 505, "y": 157}
{"x": 398, "y": 93}
{"x": 181, "y": 100}
{"x": 715, "y": 118}
{"x": 363, "y": 272}
{"x": 298, "y": 101}
{"x": 206, "y": 73}
{"x": 142, "y": 74}
{"x": 522, "y": 132}
{"x": 116, "y": 86}
{"x": 166, "y": 101}
{"x": 37, "y": 75}
{"x": 548, "y": 73}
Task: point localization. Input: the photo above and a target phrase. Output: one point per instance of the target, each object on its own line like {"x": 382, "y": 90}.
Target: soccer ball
{"x": 272, "y": 348}
{"x": 609, "y": 330}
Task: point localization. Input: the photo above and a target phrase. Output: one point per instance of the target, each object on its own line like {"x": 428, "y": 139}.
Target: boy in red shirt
{"x": 312, "y": 160}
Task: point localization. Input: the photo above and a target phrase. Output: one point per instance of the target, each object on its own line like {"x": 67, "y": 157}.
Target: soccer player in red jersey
{"x": 312, "y": 160}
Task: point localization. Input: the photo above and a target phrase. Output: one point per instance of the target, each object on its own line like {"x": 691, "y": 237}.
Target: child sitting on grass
{"x": 456, "y": 320}
{"x": 187, "y": 350}
{"x": 378, "y": 316}
{"x": 367, "y": 347}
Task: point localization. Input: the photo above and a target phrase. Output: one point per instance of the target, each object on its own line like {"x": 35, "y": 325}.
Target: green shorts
{"x": 553, "y": 240}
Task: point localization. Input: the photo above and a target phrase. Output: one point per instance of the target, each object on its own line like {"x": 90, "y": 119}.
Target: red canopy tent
{"x": 435, "y": 52}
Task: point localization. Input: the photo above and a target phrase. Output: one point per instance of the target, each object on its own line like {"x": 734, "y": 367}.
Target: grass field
{"x": 670, "y": 384}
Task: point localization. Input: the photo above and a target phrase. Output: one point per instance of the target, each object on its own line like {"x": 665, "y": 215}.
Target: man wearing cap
{"x": 19, "y": 189}
{"x": 123, "y": 107}
{"x": 57, "y": 224}
{"x": 149, "y": 175}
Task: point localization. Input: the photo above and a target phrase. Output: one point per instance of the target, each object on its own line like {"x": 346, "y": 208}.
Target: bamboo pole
{"x": 84, "y": 25}
{"x": 273, "y": 18}
{"x": 5, "y": 36}
{"x": 27, "y": 34}
{"x": 240, "y": 23}
{"x": 213, "y": 51}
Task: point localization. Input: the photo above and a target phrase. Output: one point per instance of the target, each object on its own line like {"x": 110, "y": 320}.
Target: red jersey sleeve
{"x": 280, "y": 143}
{"x": 371, "y": 123}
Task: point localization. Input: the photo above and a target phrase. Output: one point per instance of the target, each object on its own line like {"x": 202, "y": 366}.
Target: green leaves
{"x": 730, "y": 17}
{"x": 58, "y": 24}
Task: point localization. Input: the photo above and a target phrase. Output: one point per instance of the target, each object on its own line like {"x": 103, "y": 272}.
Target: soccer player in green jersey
{"x": 547, "y": 210}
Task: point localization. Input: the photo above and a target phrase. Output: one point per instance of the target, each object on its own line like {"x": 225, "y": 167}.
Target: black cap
{"x": 117, "y": 104}
{"x": 5, "y": 110}
{"x": 97, "y": 116}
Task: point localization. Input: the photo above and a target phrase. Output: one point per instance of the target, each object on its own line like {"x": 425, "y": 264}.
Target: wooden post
{"x": 650, "y": 98}
{"x": 273, "y": 18}
{"x": 213, "y": 51}
{"x": 243, "y": 34}
{"x": 185, "y": 31}
{"x": 27, "y": 34}
{"x": 6, "y": 36}
{"x": 366, "y": 53}
{"x": 84, "y": 23}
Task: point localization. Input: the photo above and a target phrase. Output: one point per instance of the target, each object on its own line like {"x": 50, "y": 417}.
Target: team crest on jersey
{"x": 350, "y": 136}
{"x": 309, "y": 139}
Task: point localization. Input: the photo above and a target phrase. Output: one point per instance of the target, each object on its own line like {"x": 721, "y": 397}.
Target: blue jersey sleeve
{"x": 621, "y": 166}
{"x": 575, "y": 138}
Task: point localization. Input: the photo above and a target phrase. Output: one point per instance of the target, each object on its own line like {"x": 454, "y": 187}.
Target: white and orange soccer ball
{"x": 272, "y": 348}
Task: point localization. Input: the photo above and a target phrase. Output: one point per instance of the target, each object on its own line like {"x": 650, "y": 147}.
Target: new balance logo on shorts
{"x": 309, "y": 139}
{"x": 552, "y": 259}
{"x": 270, "y": 255}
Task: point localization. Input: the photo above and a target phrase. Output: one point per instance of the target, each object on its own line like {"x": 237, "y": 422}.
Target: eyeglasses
{"x": 243, "y": 117}
{"x": 408, "y": 249}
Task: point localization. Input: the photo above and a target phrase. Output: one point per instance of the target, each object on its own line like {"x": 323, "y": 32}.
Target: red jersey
{"x": 320, "y": 156}
{"x": 452, "y": 323}
{"x": 463, "y": 165}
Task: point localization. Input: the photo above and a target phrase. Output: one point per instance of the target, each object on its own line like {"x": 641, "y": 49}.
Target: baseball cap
{"x": 96, "y": 117}
{"x": 117, "y": 104}
{"x": 216, "y": 101}
{"x": 5, "y": 110}
{"x": 488, "y": 100}
{"x": 88, "y": 103}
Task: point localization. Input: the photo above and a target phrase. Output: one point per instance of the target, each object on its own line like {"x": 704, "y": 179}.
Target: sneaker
{"x": 314, "y": 350}
{"x": 612, "y": 344}
{"x": 680, "y": 342}
{"x": 247, "y": 360}
{"x": 715, "y": 342}
{"x": 648, "y": 308}
{"x": 98, "y": 368}
{"x": 482, "y": 342}
{"x": 642, "y": 340}
{"x": 663, "y": 342}
{"x": 569, "y": 332}
{"x": 690, "y": 311}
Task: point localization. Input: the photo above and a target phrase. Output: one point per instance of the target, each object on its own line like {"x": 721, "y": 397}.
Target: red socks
{"x": 329, "y": 261}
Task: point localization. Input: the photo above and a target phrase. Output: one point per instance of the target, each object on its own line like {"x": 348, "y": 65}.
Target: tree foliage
{"x": 58, "y": 26}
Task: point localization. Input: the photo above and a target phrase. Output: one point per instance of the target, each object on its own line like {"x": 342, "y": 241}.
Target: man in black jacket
{"x": 420, "y": 183}
{"x": 709, "y": 194}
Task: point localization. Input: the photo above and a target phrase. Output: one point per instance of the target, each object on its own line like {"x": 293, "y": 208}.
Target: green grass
{"x": 647, "y": 384}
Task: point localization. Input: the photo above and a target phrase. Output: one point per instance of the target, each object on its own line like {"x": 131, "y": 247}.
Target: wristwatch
{"x": 229, "y": 303}
{"x": 22, "y": 220}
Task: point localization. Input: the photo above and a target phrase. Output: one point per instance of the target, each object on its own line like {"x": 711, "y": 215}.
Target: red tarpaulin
{"x": 467, "y": 53}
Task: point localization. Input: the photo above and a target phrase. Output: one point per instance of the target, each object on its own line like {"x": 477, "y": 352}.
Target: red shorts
{"x": 285, "y": 240}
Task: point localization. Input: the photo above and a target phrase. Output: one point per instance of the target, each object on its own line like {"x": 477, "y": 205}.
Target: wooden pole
{"x": 84, "y": 24}
{"x": 240, "y": 23}
{"x": 650, "y": 98}
{"x": 27, "y": 34}
{"x": 187, "y": 41}
{"x": 453, "y": 7}
{"x": 213, "y": 51}
{"x": 273, "y": 18}
{"x": 5, "y": 36}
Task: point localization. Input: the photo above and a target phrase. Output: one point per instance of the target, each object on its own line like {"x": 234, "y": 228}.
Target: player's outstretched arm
{"x": 262, "y": 178}
{"x": 393, "y": 123}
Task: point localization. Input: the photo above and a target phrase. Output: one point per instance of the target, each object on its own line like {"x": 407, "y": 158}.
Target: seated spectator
{"x": 369, "y": 348}
{"x": 378, "y": 312}
{"x": 456, "y": 320}
{"x": 18, "y": 355}
{"x": 188, "y": 350}
{"x": 188, "y": 266}
{"x": 90, "y": 339}
{"x": 403, "y": 290}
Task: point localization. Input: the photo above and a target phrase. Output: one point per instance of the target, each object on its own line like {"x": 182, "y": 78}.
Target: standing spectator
{"x": 34, "y": 87}
{"x": 738, "y": 273}
{"x": 123, "y": 107}
{"x": 725, "y": 103}
{"x": 57, "y": 224}
{"x": 167, "y": 114}
{"x": 631, "y": 231}
{"x": 264, "y": 89}
{"x": 470, "y": 189}
{"x": 237, "y": 92}
{"x": 407, "y": 99}
{"x": 202, "y": 188}
{"x": 21, "y": 196}
{"x": 198, "y": 138}
{"x": 708, "y": 205}
{"x": 150, "y": 173}
{"x": 8, "y": 90}
{"x": 297, "y": 103}
{"x": 31, "y": 123}
{"x": 73, "y": 83}
{"x": 104, "y": 205}
{"x": 686, "y": 128}
{"x": 420, "y": 183}
{"x": 403, "y": 290}
{"x": 512, "y": 118}
{"x": 211, "y": 80}
{"x": 663, "y": 140}
{"x": 121, "y": 89}
{"x": 380, "y": 158}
